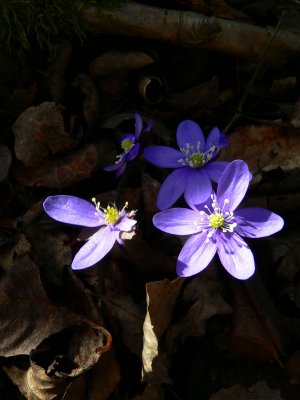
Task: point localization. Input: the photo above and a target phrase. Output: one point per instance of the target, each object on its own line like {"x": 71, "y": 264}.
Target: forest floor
{"x": 128, "y": 327}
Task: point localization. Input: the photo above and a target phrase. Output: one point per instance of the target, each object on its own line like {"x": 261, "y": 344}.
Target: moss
{"x": 42, "y": 21}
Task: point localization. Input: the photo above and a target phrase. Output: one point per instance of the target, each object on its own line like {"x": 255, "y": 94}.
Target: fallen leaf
{"x": 104, "y": 377}
{"x": 118, "y": 61}
{"x": 264, "y": 148}
{"x": 207, "y": 301}
{"x": 56, "y": 362}
{"x": 257, "y": 325}
{"x": 11, "y": 254}
{"x": 22, "y": 294}
{"x": 59, "y": 172}
{"x": 162, "y": 297}
{"x": 130, "y": 317}
{"x": 39, "y": 131}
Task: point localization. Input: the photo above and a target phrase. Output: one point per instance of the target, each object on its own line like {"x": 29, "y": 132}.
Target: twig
{"x": 191, "y": 29}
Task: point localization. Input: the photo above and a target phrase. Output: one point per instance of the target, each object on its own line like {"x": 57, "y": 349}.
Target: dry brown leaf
{"x": 41, "y": 386}
{"x": 5, "y": 161}
{"x": 39, "y": 131}
{"x": 61, "y": 172}
{"x": 104, "y": 377}
{"x": 51, "y": 248}
{"x": 35, "y": 384}
{"x": 113, "y": 62}
{"x": 130, "y": 317}
{"x": 259, "y": 391}
{"x": 207, "y": 302}
{"x": 22, "y": 294}
{"x": 256, "y": 324}
{"x": 161, "y": 300}
{"x": 264, "y": 148}
{"x": 53, "y": 368}
{"x": 10, "y": 255}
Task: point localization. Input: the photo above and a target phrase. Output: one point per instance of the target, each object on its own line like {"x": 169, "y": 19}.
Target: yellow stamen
{"x": 127, "y": 145}
{"x": 216, "y": 220}
{"x": 111, "y": 215}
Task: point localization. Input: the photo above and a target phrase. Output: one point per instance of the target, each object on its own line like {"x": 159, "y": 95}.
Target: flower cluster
{"x": 213, "y": 221}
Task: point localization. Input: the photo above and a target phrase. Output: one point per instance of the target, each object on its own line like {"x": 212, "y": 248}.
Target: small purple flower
{"x": 76, "y": 211}
{"x": 216, "y": 226}
{"x": 130, "y": 146}
{"x": 194, "y": 169}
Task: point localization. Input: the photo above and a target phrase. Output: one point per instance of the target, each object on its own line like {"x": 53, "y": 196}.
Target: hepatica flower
{"x": 110, "y": 221}
{"x": 218, "y": 227}
{"x": 194, "y": 168}
{"x": 130, "y": 146}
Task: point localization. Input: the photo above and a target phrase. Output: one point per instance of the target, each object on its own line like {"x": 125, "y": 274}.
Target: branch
{"x": 190, "y": 29}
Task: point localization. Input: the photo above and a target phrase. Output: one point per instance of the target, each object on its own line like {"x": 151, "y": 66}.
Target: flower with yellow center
{"x": 110, "y": 223}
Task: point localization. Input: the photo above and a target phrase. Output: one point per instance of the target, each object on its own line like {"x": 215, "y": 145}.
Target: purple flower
{"x": 130, "y": 146}
{"x": 76, "y": 211}
{"x": 216, "y": 226}
{"x": 194, "y": 169}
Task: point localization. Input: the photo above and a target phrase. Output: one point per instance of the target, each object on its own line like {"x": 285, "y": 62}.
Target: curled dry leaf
{"x": 22, "y": 294}
{"x": 52, "y": 368}
{"x": 5, "y": 161}
{"x": 259, "y": 391}
{"x": 162, "y": 297}
{"x": 61, "y": 172}
{"x": 119, "y": 61}
{"x": 39, "y": 131}
{"x": 37, "y": 384}
{"x": 264, "y": 148}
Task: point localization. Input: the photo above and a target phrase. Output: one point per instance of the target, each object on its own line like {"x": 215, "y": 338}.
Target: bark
{"x": 188, "y": 28}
